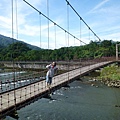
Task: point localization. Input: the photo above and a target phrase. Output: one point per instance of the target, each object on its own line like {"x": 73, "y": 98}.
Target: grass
{"x": 110, "y": 73}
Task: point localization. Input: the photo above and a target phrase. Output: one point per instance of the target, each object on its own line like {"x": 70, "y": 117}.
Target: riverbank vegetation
{"x": 20, "y": 52}
{"x": 110, "y": 75}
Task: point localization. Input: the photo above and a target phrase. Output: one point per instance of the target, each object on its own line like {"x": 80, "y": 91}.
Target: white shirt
{"x": 51, "y": 70}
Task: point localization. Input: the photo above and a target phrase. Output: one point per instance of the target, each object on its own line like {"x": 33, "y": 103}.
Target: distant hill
{"x": 6, "y": 41}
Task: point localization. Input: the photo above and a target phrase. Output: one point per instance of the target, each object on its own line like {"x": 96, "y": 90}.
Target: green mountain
{"x": 6, "y": 41}
{"x": 21, "y": 51}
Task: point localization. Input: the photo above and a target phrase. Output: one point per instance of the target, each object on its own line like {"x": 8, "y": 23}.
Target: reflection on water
{"x": 79, "y": 102}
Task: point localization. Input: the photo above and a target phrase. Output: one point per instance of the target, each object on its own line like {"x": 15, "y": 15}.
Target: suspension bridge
{"x": 17, "y": 90}
{"x": 35, "y": 88}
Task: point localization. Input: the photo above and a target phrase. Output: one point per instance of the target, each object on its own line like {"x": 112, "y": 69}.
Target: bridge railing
{"x": 15, "y": 99}
{"x": 13, "y": 80}
{"x": 10, "y": 81}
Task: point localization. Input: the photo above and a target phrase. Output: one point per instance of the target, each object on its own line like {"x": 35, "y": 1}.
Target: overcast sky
{"x": 102, "y": 16}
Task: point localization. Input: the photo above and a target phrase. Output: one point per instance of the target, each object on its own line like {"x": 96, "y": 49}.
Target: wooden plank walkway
{"x": 16, "y": 99}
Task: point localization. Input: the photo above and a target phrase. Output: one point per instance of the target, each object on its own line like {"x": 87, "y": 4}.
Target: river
{"x": 81, "y": 101}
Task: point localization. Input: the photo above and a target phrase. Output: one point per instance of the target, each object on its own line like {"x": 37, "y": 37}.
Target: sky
{"x": 28, "y": 25}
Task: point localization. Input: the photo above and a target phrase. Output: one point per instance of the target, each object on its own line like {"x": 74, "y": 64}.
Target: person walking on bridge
{"x": 50, "y": 73}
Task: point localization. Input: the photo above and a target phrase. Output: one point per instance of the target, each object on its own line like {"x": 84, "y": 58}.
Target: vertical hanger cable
{"x": 12, "y": 4}
{"x": 48, "y": 20}
{"x": 40, "y": 27}
{"x": 16, "y": 20}
{"x": 68, "y": 39}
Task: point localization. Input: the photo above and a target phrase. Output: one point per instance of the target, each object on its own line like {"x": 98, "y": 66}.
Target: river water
{"x": 81, "y": 101}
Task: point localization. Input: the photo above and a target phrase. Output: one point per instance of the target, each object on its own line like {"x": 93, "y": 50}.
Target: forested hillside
{"x": 20, "y": 51}
{"x": 6, "y": 41}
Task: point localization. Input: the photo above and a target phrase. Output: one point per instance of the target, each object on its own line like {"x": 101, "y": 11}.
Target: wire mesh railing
{"x": 7, "y": 82}
{"x": 37, "y": 89}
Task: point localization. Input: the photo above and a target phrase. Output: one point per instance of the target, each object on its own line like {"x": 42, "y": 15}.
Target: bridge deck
{"x": 25, "y": 94}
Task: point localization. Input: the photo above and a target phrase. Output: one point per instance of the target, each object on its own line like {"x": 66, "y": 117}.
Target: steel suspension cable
{"x": 12, "y": 4}
{"x": 48, "y": 20}
{"x": 80, "y": 45}
{"x": 82, "y": 19}
{"x": 12, "y": 20}
{"x": 55, "y": 34}
{"x": 68, "y": 24}
{"x": 16, "y": 19}
{"x": 89, "y": 35}
{"x": 65, "y": 44}
{"x": 40, "y": 40}
{"x": 68, "y": 41}
{"x": 40, "y": 28}
{"x": 74, "y": 41}
{"x": 16, "y": 23}
{"x": 89, "y": 47}
{"x": 80, "y": 32}
{"x": 52, "y": 20}
{"x": 65, "y": 39}
{"x": 55, "y": 42}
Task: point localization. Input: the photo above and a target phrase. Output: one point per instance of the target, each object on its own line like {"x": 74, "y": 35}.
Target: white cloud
{"x": 98, "y": 7}
{"x": 112, "y": 36}
{"x": 5, "y": 22}
{"x": 29, "y": 26}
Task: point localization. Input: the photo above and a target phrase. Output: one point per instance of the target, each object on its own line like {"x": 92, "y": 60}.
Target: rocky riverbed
{"x": 112, "y": 83}
{"x": 109, "y": 83}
